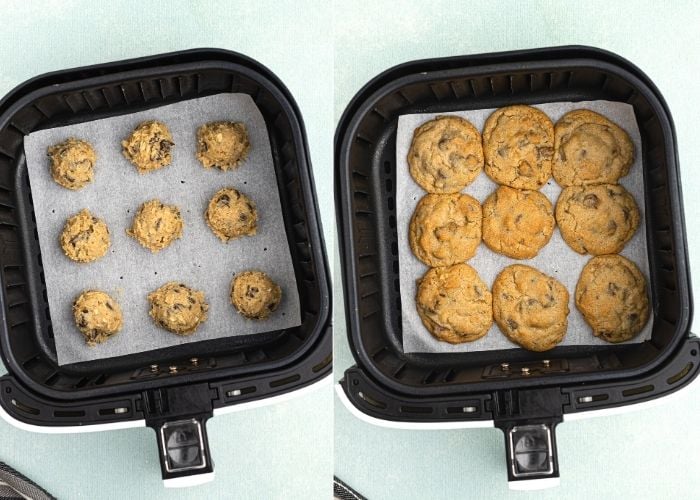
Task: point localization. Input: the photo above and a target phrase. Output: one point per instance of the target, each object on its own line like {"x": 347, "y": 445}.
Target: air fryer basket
{"x": 491, "y": 385}
{"x": 186, "y": 380}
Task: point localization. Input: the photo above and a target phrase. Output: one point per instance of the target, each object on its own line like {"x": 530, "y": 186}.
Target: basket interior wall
{"x": 28, "y": 320}
{"x": 371, "y": 179}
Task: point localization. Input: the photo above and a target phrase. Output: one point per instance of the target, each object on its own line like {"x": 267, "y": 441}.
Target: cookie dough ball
{"x": 517, "y": 222}
{"x": 598, "y": 219}
{"x": 590, "y": 149}
{"x": 97, "y": 316}
{"x": 156, "y": 225}
{"x": 611, "y": 293}
{"x": 178, "y": 308}
{"x": 454, "y": 304}
{"x": 254, "y": 294}
{"x": 231, "y": 214}
{"x": 446, "y": 154}
{"x": 85, "y": 238}
{"x": 445, "y": 229}
{"x": 72, "y": 163}
{"x": 518, "y": 147}
{"x": 222, "y": 145}
{"x": 149, "y": 146}
{"x": 530, "y": 307}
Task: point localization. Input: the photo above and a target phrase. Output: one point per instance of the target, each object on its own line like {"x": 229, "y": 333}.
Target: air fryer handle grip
{"x": 183, "y": 449}
{"x": 531, "y": 454}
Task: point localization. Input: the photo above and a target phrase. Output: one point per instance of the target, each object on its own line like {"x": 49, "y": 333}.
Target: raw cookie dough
{"x": 518, "y": 147}
{"x": 612, "y": 296}
{"x": 590, "y": 149}
{"x": 530, "y": 307}
{"x": 72, "y": 163}
{"x": 231, "y": 214}
{"x": 445, "y": 154}
{"x": 454, "y": 304}
{"x": 97, "y": 316}
{"x": 254, "y": 294}
{"x": 85, "y": 238}
{"x": 156, "y": 225}
{"x": 597, "y": 219}
{"x": 178, "y": 308}
{"x": 517, "y": 222}
{"x": 445, "y": 229}
{"x": 149, "y": 146}
{"x": 222, "y": 145}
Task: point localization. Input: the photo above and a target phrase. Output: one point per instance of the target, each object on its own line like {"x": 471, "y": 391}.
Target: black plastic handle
{"x": 178, "y": 416}
{"x": 183, "y": 449}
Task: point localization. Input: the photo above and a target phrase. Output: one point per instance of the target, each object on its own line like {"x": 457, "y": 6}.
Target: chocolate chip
{"x": 633, "y": 317}
{"x": 531, "y": 302}
{"x": 109, "y": 306}
{"x": 159, "y": 222}
{"x": 165, "y": 146}
{"x": 224, "y": 200}
{"x": 612, "y": 227}
{"x": 591, "y": 201}
{"x": 512, "y": 324}
{"x": 613, "y": 288}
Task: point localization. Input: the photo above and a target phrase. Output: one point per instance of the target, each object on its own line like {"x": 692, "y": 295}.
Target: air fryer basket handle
{"x": 528, "y": 419}
{"x": 178, "y": 415}
{"x": 183, "y": 450}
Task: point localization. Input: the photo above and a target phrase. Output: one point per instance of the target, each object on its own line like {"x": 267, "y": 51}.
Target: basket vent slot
{"x": 68, "y": 413}
{"x": 285, "y": 380}
{"x": 678, "y": 376}
{"x": 416, "y": 409}
{"x": 637, "y": 390}
{"x": 240, "y": 392}
{"x": 25, "y": 408}
{"x": 371, "y": 401}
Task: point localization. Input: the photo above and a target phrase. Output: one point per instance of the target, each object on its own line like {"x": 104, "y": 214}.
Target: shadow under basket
{"x": 174, "y": 390}
{"x": 513, "y": 388}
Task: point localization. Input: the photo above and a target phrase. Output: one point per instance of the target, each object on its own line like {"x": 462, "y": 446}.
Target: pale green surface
{"x": 646, "y": 454}
{"x": 278, "y": 452}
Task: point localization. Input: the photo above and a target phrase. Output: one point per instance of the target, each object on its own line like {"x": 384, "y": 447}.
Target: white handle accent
{"x": 188, "y": 481}
{"x": 534, "y": 484}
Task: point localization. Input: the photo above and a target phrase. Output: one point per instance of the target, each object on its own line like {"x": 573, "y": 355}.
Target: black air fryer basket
{"x": 525, "y": 394}
{"x": 173, "y": 390}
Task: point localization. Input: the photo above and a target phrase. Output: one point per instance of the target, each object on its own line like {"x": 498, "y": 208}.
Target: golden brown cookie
{"x": 178, "y": 308}
{"x": 85, "y": 238}
{"x": 612, "y": 296}
{"x": 97, "y": 316}
{"x": 597, "y": 219}
{"x": 454, "y": 304}
{"x": 254, "y": 294}
{"x": 72, "y": 163}
{"x": 517, "y": 222}
{"x": 149, "y": 146}
{"x": 445, "y": 229}
{"x": 446, "y": 154}
{"x": 530, "y": 307}
{"x": 222, "y": 145}
{"x": 518, "y": 147}
{"x": 590, "y": 149}
{"x": 231, "y": 214}
{"x": 156, "y": 225}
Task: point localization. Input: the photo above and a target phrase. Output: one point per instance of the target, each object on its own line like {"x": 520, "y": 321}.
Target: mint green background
{"x": 647, "y": 454}
{"x": 280, "y": 452}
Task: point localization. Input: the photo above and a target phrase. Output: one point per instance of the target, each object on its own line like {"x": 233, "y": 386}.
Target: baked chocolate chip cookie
{"x": 156, "y": 225}
{"x": 445, "y": 229}
{"x": 530, "y": 307}
{"x": 97, "y": 316}
{"x": 149, "y": 147}
{"x": 222, "y": 145}
{"x": 517, "y": 222}
{"x": 254, "y": 294}
{"x": 72, "y": 163}
{"x": 454, "y": 304}
{"x": 597, "y": 219}
{"x": 85, "y": 238}
{"x": 590, "y": 149}
{"x": 178, "y": 308}
{"x": 446, "y": 154}
{"x": 612, "y": 296}
{"x": 518, "y": 147}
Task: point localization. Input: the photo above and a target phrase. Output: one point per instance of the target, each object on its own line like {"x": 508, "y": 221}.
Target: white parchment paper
{"x": 556, "y": 259}
{"x": 199, "y": 259}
